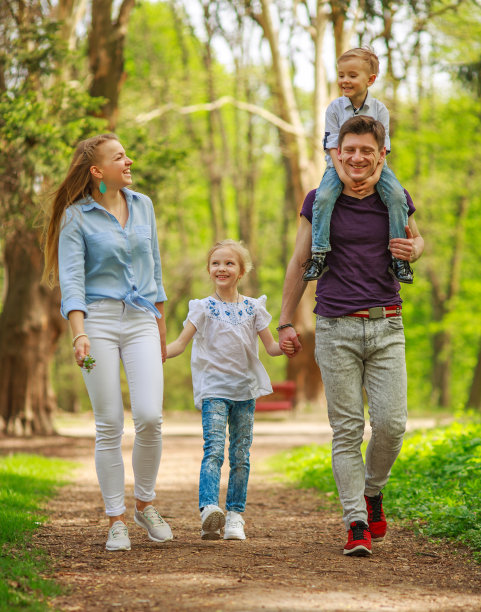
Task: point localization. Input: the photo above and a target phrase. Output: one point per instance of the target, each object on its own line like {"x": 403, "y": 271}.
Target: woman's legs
{"x": 103, "y": 386}
{"x": 142, "y": 359}
{"x": 116, "y": 332}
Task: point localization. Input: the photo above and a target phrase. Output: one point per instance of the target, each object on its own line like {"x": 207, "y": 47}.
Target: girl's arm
{"x": 162, "y": 330}
{"x": 272, "y": 347}
{"x": 178, "y": 346}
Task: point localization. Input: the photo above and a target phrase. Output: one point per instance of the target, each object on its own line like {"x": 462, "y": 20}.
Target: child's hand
{"x": 364, "y": 188}
{"x": 287, "y": 346}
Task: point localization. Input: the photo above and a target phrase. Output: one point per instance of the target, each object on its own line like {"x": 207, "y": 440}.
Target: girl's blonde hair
{"x": 240, "y": 250}
{"x": 76, "y": 185}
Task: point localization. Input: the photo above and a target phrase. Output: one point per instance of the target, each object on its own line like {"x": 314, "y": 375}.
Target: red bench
{"x": 282, "y": 397}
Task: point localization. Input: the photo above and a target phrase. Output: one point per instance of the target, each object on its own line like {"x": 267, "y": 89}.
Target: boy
{"x": 357, "y": 71}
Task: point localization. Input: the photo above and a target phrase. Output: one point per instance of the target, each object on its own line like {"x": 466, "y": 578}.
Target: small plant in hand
{"x": 89, "y": 363}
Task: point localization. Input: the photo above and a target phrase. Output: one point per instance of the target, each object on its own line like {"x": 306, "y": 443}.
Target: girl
{"x": 102, "y": 245}
{"x": 227, "y": 377}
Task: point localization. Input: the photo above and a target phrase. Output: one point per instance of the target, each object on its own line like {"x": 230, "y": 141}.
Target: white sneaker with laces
{"x": 212, "y": 519}
{"x": 118, "y": 538}
{"x": 157, "y": 529}
{"x": 234, "y": 526}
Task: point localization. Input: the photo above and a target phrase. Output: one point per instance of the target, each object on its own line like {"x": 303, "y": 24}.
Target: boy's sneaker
{"x": 314, "y": 267}
{"x": 402, "y": 270}
{"x": 375, "y": 517}
{"x": 212, "y": 519}
{"x": 118, "y": 538}
{"x": 157, "y": 529}
{"x": 358, "y": 540}
{"x": 234, "y": 526}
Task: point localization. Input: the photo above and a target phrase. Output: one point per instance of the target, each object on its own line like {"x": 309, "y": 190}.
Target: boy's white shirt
{"x": 225, "y": 352}
{"x": 341, "y": 109}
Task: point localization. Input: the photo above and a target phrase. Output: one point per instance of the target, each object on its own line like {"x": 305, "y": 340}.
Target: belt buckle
{"x": 376, "y": 313}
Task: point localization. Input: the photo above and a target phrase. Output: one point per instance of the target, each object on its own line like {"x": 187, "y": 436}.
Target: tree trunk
{"x": 106, "y": 54}
{"x": 30, "y": 326}
{"x": 303, "y": 369}
{"x": 442, "y": 304}
{"x": 474, "y": 399}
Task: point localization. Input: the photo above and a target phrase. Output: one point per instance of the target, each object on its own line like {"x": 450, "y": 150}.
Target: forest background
{"x": 221, "y": 106}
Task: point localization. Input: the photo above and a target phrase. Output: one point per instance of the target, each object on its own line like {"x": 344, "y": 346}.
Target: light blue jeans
{"x": 216, "y": 414}
{"x": 352, "y": 354}
{"x": 391, "y": 193}
{"x": 120, "y": 333}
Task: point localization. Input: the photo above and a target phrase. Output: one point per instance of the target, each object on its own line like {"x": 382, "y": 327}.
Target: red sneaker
{"x": 358, "y": 540}
{"x": 375, "y": 517}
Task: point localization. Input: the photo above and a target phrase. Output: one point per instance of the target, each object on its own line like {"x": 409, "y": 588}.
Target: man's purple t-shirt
{"x": 358, "y": 275}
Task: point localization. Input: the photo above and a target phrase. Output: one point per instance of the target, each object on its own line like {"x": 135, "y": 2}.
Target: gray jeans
{"x": 353, "y": 353}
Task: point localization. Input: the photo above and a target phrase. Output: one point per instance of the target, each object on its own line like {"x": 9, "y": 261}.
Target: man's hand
{"x": 289, "y": 342}
{"x": 403, "y": 248}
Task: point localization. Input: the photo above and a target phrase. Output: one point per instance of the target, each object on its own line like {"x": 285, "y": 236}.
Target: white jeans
{"x": 118, "y": 332}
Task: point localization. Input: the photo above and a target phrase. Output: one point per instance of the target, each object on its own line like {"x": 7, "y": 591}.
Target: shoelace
{"x": 375, "y": 508}
{"x": 358, "y": 530}
{"x": 153, "y": 516}
{"x": 119, "y": 531}
{"x": 234, "y": 524}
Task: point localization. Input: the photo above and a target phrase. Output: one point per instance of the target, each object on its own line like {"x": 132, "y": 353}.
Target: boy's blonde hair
{"x": 245, "y": 261}
{"x": 365, "y": 54}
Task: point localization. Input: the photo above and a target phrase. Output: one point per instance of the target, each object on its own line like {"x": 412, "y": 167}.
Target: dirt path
{"x": 292, "y": 558}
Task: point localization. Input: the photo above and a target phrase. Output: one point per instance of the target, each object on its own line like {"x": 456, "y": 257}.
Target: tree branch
{"x": 211, "y": 106}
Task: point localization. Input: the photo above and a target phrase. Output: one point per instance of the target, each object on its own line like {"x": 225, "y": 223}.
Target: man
{"x": 359, "y": 331}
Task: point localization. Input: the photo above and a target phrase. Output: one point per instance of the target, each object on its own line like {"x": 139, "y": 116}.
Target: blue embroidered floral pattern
{"x": 235, "y": 314}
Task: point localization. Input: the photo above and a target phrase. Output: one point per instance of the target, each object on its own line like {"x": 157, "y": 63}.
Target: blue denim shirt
{"x": 100, "y": 259}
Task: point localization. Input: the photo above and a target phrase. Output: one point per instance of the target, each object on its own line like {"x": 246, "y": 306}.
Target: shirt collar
{"x": 348, "y": 104}
{"x": 88, "y": 203}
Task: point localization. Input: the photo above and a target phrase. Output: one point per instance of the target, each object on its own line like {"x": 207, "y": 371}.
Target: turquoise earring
{"x": 102, "y": 187}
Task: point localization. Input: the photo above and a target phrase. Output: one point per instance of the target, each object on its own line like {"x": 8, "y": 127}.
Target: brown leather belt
{"x": 378, "y": 312}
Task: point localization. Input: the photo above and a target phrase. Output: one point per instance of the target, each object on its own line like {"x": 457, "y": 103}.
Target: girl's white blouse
{"x": 225, "y": 353}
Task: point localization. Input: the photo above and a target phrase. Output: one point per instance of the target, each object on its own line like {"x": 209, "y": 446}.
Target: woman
{"x": 102, "y": 246}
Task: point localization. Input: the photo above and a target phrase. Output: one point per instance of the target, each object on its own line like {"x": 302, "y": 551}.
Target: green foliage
{"x": 42, "y": 117}
{"x": 26, "y": 483}
{"x": 437, "y": 148}
{"x": 435, "y": 483}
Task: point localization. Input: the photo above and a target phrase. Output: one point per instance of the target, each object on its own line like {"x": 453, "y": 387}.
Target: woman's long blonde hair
{"x": 76, "y": 185}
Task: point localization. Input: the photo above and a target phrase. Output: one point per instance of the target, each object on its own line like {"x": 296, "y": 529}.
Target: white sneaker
{"x": 234, "y": 526}
{"x": 157, "y": 528}
{"x": 210, "y": 535}
{"x": 212, "y": 519}
{"x": 118, "y": 538}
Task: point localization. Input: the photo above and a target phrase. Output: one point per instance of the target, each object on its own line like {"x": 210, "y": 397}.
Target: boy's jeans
{"x": 391, "y": 193}
{"x": 120, "y": 333}
{"x": 216, "y": 413}
{"x": 353, "y": 353}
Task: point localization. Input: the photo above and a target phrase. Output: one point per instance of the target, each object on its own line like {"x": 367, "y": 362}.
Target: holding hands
{"x": 289, "y": 342}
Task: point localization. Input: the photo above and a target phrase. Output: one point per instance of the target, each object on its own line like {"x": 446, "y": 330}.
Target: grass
{"x": 435, "y": 484}
{"x": 26, "y": 483}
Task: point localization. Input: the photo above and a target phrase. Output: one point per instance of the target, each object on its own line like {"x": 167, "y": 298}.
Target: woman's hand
{"x": 81, "y": 350}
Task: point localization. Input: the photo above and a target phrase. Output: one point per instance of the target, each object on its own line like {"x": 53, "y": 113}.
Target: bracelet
{"x": 77, "y": 337}
{"x": 284, "y": 326}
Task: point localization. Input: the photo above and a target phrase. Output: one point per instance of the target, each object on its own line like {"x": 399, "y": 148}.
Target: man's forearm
{"x": 292, "y": 292}
{"x": 418, "y": 248}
